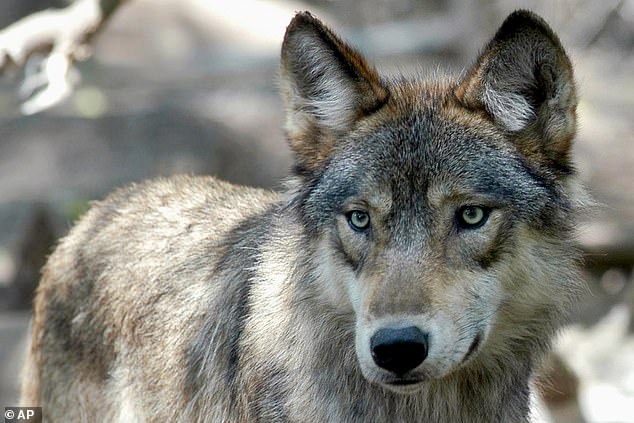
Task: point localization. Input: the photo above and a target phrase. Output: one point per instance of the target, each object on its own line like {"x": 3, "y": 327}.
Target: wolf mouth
{"x": 404, "y": 382}
{"x": 473, "y": 347}
{"x": 404, "y": 386}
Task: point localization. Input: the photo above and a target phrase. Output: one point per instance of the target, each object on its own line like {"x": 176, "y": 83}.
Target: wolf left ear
{"x": 523, "y": 80}
{"x": 327, "y": 87}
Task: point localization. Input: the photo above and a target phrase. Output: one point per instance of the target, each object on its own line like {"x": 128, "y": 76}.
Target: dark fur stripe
{"x": 232, "y": 309}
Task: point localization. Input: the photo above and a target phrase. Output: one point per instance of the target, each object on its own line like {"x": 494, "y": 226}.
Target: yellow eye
{"x": 359, "y": 220}
{"x": 471, "y": 217}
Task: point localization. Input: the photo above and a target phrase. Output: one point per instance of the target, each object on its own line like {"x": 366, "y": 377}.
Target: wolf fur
{"x": 192, "y": 300}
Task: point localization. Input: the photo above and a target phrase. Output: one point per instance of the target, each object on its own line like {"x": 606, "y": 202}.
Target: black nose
{"x": 399, "y": 350}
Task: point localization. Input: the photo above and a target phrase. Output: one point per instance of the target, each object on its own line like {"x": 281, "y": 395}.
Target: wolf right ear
{"x": 523, "y": 80}
{"x": 326, "y": 85}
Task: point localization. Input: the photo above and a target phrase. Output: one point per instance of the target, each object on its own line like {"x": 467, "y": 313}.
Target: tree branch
{"x": 62, "y": 37}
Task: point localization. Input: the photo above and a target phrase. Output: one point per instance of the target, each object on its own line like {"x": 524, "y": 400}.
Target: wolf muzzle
{"x": 399, "y": 350}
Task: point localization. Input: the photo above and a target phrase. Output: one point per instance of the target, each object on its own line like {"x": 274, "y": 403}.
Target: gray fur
{"x": 188, "y": 299}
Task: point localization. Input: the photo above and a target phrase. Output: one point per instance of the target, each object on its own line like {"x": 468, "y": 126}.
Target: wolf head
{"x": 441, "y": 210}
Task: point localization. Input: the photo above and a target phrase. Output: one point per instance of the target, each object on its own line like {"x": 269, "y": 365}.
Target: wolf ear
{"x": 326, "y": 85}
{"x": 523, "y": 81}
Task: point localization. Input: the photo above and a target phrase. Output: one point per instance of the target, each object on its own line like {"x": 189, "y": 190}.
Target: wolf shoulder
{"x": 161, "y": 228}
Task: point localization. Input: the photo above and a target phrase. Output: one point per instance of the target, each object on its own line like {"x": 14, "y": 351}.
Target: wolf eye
{"x": 472, "y": 217}
{"x": 359, "y": 220}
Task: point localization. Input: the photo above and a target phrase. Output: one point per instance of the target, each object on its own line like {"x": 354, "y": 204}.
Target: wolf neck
{"x": 307, "y": 345}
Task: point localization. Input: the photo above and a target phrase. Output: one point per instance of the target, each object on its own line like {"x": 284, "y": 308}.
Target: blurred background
{"x": 189, "y": 86}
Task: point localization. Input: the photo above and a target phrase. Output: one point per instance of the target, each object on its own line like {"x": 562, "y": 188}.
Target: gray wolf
{"x": 414, "y": 270}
